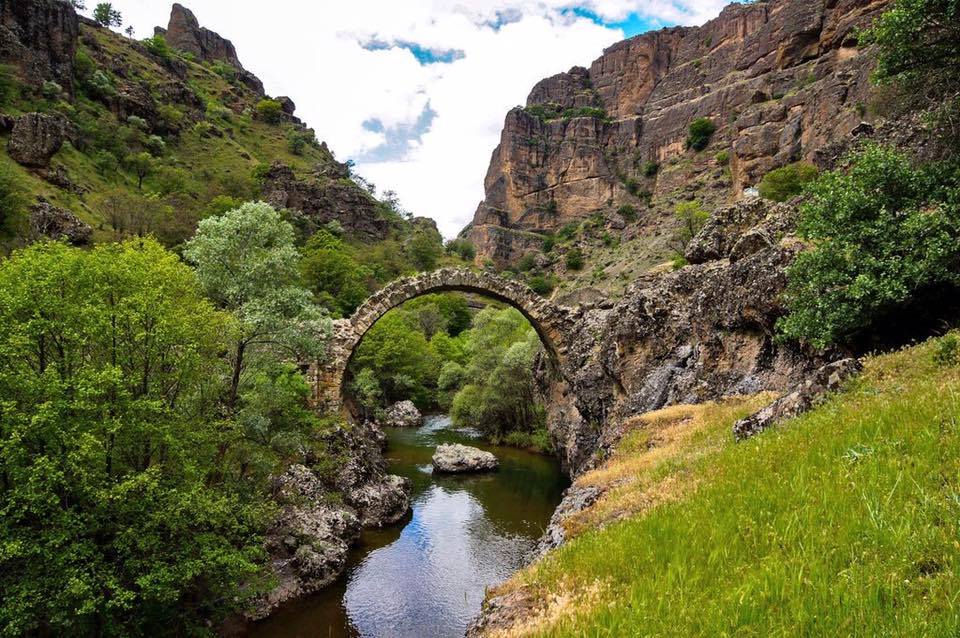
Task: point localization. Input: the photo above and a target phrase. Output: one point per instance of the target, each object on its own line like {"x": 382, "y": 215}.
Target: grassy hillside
{"x": 845, "y": 521}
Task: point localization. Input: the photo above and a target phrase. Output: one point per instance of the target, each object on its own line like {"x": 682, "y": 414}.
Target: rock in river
{"x": 403, "y": 414}
{"x": 455, "y": 458}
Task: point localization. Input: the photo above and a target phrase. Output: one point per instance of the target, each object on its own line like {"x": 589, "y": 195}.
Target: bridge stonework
{"x": 552, "y": 322}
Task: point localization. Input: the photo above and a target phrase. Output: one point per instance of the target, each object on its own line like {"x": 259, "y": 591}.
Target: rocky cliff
{"x": 779, "y": 79}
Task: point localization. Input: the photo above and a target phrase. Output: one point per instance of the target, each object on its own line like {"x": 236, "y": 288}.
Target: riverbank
{"x": 428, "y": 574}
{"x": 841, "y": 521}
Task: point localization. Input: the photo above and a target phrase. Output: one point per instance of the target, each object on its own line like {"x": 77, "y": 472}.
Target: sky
{"x": 415, "y": 91}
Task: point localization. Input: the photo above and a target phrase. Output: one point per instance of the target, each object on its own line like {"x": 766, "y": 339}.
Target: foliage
{"x": 13, "y": 195}
{"x": 628, "y": 212}
{"x": 115, "y": 516}
{"x": 527, "y": 262}
{"x": 785, "y": 183}
{"x": 498, "y": 392}
{"x": 568, "y": 232}
{"x": 247, "y": 263}
{"x": 542, "y": 285}
{"x": 723, "y": 157}
{"x": 106, "y": 16}
{"x": 700, "y": 132}
{"x": 51, "y": 90}
{"x": 158, "y": 47}
{"x": 548, "y": 242}
{"x": 425, "y": 247}
{"x": 462, "y": 248}
{"x": 947, "y": 350}
{"x": 883, "y": 230}
{"x": 270, "y": 111}
{"x": 690, "y": 217}
{"x": 584, "y": 111}
{"x": 650, "y": 168}
{"x": 574, "y": 259}
{"x": 840, "y": 522}
{"x": 140, "y": 164}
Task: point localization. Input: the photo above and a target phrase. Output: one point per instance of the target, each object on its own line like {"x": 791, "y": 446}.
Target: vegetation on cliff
{"x": 840, "y": 520}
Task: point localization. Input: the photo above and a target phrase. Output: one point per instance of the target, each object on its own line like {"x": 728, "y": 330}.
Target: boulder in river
{"x": 403, "y": 414}
{"x": 454, "y": 458}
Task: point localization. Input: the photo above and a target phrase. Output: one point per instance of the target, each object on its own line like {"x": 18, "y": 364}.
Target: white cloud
{"x": 314, "y": 52}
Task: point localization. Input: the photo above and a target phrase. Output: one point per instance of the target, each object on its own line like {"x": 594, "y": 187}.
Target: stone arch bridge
{"x": 552, "y": 322}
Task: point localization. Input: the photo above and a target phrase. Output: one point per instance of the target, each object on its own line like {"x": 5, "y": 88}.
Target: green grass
{"x": 843, "y": 522}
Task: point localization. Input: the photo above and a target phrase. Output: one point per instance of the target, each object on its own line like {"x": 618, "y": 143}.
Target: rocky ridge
{"x": 780, "y": 80}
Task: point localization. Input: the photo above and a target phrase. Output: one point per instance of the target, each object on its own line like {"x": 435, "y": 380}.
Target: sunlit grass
{"x": 843, "y": 522}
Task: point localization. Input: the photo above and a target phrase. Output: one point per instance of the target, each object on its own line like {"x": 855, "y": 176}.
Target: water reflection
{"x": 428, "y": 577}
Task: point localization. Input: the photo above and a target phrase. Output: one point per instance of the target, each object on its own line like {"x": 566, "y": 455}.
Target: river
{"x": 426, "y": 576}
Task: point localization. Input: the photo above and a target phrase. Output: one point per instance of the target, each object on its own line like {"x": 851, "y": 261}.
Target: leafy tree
{"x": 700, "y": 132}
{"x": 247, "y": 263}
{"x": 110, "y": 523}
{"x": 690, "y": 217}
{"x": 270, "y": 111}
{"x": 400, "y": 357}
{"x": 366, "y": 391}
{"x": 140, "y": 164}
{"x": 882, "y": 231}
{"x": 425, "y": 248}
{"x": 574, "y": 259}
{"x": 787, "y": 182}
{"x": 106, "y": 16}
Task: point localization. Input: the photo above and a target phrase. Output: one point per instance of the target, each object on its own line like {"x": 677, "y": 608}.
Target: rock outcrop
{"x": 52, "y": 222}
{"x": 780, "y": 80}
{"x": 403, "y": 414}
{"x": 324, "y": 197}
{"x": 805, "y": 396}
{"x": 39, "y": 37}
{"x": 184, "y": 33}
{"x": 454, "y": 458}
{"x": 36, "y": 137}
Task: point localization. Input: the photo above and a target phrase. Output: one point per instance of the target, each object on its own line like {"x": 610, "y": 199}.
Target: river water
{"x": 425, "y": 577}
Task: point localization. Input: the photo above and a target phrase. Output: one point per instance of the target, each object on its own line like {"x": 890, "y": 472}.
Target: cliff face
{"x": 779, "y": 79}
{"x": 40, "y": 39}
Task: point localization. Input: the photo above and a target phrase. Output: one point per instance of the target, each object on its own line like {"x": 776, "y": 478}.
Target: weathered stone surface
{"x": 322, "y": 198}
{"x": 39, "y": 37}
{"x": 454, "y": 458}
{"x": 728, "y": 226}
{"x": 781, "y": 79}
{"x": 36, "y": 137}
{"x": 403, "y": 414}
{"x": 803, "y": 397}
{"x": 47, "y": 220}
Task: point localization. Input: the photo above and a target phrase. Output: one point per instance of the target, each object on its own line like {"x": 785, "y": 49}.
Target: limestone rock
{"x": 36, "y": 137}
{"x": 782, "y": 80}
{"x": 286, "y": 104}
{"x": 318, "y": 200}
{"x": 39, "y": 37}
{"x": 403, "y": 414}
{"x": 381, "y": 502}
{"x": 50, "y": 221}
{"x": 801, "y": 398}
{"x": 729, "y": 226}
{"x": 454, "y": 458}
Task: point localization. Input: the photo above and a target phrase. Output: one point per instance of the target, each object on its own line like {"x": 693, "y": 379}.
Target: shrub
{"x": 155, "y": 145}
{"x": 526, "y": 263}
{"x": 574, "y": 259}
{"x": 298, "y": 140}
{"x": 158, "y": 47}
{"x": 722, "y": 158}
{"x": 226, "y": 71}
{"x": 584, "y": 111}
{"x": 632, "y": 185}
{"x": 947, "y": 352}
{"x": 882, "y": 231}
{"x": 650, "y": 168}
{"x": 786, "y": 183}
{"x": 100, "y": 85}
{"x": 548, "y": 243}
{"x": 462, "y": 248}
{"x": 568, "y": 232}
{"x": 51, "y": 90}
{"x": 83, "y": 65}
{"x": 542, "y": 285}
{"x": 270, "y": 111}
{"x": 700, "y": 132}
{"x": 690, "y": 217}
{"x": 628, "y": 212}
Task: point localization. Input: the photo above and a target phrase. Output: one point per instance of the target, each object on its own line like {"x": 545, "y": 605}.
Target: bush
{"x": 270, "y": 111}
{"x": 548, "y": 242}
{"x": 690, "y": 217}
{"x": 226, "y": 71}
{"x": 83, "y": 65}
{"x": 882, "y": 231}
{"x": 526, "y": 263}
{"x": 462, "y": 248}
{"x": 947, "y": 352}
{"x": 298, "y": 140}
{"x": 158, "y": 47}
{"x": 628, "y": 212}
{"x": 51, "y": 90}
{"x": 542, "y": 285}
{"x": 101, "y": 86}
{"x": 722, "y": 158}
{"x": 650, "y": 168}
{"x": 155, "y": 145}
{"x": 632, "y": 185}
{"x": 568, "y": 232}
{"x": 700, "y": 132}
{"x": 786, "y": 183}
{"x": 574, "y": 259}
{"x": 584, "y": 111}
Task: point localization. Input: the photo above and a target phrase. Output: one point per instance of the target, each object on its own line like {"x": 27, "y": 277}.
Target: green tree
{"x": 690, "y": 218}
{"x": 574, "y": 259}
{"x": 882, "y": 231}
{"x": 399, "y": 355}
{"x": 786, "y": 183}
{"x": 247, "y": 263}
{"x": 106, "y": 16}
{"x": 700, "y": 132}
{"x": 270, "y": 111}
{"x": 425, "y": 248}
{"x": 109, "y": 523}
{"x": 140, "y": 164}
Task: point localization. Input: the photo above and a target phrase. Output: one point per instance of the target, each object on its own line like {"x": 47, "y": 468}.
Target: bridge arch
{"x": 550, "y": 320}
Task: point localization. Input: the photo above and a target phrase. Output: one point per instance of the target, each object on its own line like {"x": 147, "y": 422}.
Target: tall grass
{"x": 844, "y": 522}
